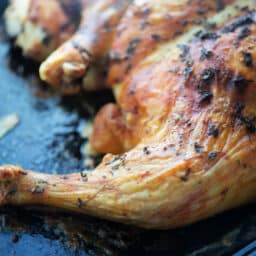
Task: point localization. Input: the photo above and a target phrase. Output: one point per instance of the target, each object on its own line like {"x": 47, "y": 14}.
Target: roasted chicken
{"x": 182, "y": 137}
{"x": 39, "y": 28}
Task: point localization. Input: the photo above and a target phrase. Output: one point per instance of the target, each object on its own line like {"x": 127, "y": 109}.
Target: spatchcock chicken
{"x": 181, "y": 138}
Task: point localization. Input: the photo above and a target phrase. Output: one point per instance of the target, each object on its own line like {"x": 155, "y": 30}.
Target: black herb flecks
{"x": 198, "y": 148}
{"x": 205, "y": 80}
{"x": 239, "y": 107}
{"x": 146, "y": 150}
{"x": 245, "y": 32}
{"x": 156, "y": 37}
{"x": 37, "y": 190}
{"x": 185, "y": 55}
{"x": 248, "y": 121}
{"x": 220, "y": 5}
{"x": 205, "y": 54}
{"x": 206, "y": 35}
{"x": 206, "y": 96}
{"x": 242, "y": 21}
{"x": 240, "y": 83}
{"x": 22, "y": 172}
{"x": 84, "y": 176}
{"x": 207, "y": 77}
{"x": 212, "y": 155}
{"x": 187, "y": 71}
{"x": 247, "y": 58}
{"x": 117, "y": 162}
{"x": 185, "y": 177}
{"x": 132, "y": 46}
{"x": 212, "y": 130}
{"x": 83, "y": 51}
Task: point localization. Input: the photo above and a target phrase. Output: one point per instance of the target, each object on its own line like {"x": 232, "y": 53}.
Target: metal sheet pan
{"x": 48, "y": 139}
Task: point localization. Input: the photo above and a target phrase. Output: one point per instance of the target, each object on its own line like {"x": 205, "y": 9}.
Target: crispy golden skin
{"x": 187, "y": 114}
{"x": 39, "y": 28}
{"x": 88, "y": 48}
{"x": 148, "y": 24}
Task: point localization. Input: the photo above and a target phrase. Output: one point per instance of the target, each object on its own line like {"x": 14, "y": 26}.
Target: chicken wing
{"x": 187, "y": 113}
{"x": 83, "y": 57}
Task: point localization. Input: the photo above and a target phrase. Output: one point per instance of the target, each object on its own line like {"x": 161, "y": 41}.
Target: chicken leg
{"x": 195, "y": 129}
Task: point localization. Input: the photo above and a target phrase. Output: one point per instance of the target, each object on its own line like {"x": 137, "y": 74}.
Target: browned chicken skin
{"x": 40, "y": 30}
{"x": 146, "y": 25}
{"x": 183, "y": 131}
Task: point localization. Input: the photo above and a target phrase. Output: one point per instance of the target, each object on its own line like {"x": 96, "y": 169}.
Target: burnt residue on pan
{"x": 48, "y": 138}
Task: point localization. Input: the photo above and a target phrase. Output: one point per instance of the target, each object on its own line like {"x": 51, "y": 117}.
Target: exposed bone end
{"x": 9, "y": 179}
{"x": 65, "y": 65}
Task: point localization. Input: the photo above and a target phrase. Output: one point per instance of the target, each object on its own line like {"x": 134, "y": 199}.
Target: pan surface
{"x": 48, "y": 138}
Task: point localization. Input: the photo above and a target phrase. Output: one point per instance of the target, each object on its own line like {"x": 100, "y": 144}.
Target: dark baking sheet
{"x": 48, "y": 139}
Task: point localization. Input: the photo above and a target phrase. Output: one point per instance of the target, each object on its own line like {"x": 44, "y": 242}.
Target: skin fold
{"x": 181, "y": 140}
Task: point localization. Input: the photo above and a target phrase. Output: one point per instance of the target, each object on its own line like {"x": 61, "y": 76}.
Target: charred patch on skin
{"x": 213, "y": 130}
{"x": 185, "y": 177}
{"x": 205, "y": 54}
{"x": 37, "y": 190}
{"x": 83, "y": 51}
{"x": 185, "y": 55}
{"x": 205, "y": 80}
{"x": 212, "y": 155}
{"x": 241, "y": 21}
{"x": 146, "y": 151}
{"x": 245, "y": 32}
{"x": 156, "y": 37}
{"x": 247, "y": 59}
{"x": 117, "y": 162}
{"x": 84, "y": 176}
{"x": 132, "y": 46}
{"x": 187, "y": 72}
{"x": 240, "y": 83}
{"x": 198, "y": 148}
{"x": 247, "y": 121}
{"x": 207, "y": 77}
{"x": 22, "y": 172}
{"x": 206, "y": 96}
{"x": 206, "y": 35}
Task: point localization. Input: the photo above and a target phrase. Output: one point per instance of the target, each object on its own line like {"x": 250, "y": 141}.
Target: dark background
{"x": 48, "y": 139}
